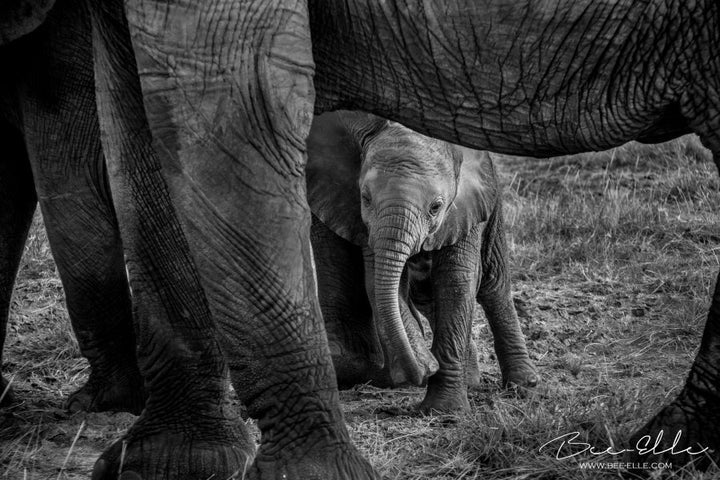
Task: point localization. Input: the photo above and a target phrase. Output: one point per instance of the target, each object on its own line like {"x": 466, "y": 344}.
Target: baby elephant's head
{"x": 407, "y": 185}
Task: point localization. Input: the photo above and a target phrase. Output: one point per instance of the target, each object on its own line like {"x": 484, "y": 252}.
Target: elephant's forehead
{"x": 396, "y": 137}
{"x": 415, "y": 188}
{"x": 410, "y": 156}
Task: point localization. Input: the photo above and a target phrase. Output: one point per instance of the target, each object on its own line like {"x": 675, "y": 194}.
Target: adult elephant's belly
{"x": 510, "y": 77}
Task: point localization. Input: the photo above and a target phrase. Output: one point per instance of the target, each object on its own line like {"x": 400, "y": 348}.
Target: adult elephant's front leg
{"x": 182, "y": 433}
{"x": 228, "y": 93}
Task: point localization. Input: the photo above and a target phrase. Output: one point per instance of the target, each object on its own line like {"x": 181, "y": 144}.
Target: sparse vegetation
{"x": 614, "y": 258}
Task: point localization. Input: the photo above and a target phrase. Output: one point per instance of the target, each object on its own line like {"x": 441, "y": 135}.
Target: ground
{"x": 614, "y": 256}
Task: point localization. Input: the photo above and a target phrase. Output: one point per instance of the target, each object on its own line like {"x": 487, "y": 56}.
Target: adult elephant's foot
{"x": 682, "y": 433}
{"x": 122, "y": 392}
{"x": 339, "y": 461}
{"x": 213, "y": 450}
{"x": 7, "y": 397}
{"x": 445, "y": 395}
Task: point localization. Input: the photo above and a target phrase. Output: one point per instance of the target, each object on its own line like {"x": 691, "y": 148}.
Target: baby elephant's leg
{"x": 454, "y": 285}
{"x": 495, "y": 296}
{"x": 422, "y": 299}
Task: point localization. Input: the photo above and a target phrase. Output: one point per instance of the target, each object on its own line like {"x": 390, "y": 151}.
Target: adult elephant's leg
{"x": 87, "y": 250}
{"x": 182, "y": 433}
{"x": 228, "y": 93}
{"x": 354, "y": 347}
{"x": 63, "y": 140}
{"x": 691, "y": 423}
{"x": 687, "y": 430}
{"x": 495, "y": 297}
{"x": 454, "y": 281}
{"x": 86, "y": 247}
{"x": 17, "y": 204}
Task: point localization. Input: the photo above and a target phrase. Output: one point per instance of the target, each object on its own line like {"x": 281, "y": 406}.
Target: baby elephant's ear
{"x": 20, "y": 17}
{"x": 332, "y": 172}
{"x": 476, "y": 196}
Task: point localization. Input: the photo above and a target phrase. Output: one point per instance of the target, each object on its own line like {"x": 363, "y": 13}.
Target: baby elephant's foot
{"x": 116, "y": 393}
{"x": 521, "y": 380}
{"x": 444, "y": 405}
{"x": 445, "y": 397}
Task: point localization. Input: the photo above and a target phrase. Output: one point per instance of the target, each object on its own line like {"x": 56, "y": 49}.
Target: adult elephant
{"x": 52, "y": 155}
{"x": 205, "y": 107}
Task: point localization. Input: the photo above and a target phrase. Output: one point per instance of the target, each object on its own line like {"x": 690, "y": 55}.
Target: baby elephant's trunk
{"x": 393, "y": 245}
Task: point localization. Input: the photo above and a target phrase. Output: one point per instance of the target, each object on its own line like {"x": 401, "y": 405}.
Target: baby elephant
{"x": 388, "y": 205}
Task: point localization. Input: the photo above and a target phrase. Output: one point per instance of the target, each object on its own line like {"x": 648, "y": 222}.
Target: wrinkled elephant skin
{"x": 204, "y": 111}
{"x": 52, "y": 155}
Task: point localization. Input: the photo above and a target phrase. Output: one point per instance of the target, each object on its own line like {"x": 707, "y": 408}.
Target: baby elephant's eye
{"x": 366, "y": 199}
{"x": 435, "y": 207}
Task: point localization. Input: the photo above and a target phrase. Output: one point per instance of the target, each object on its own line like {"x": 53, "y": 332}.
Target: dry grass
{"x": 614, "y": 257}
